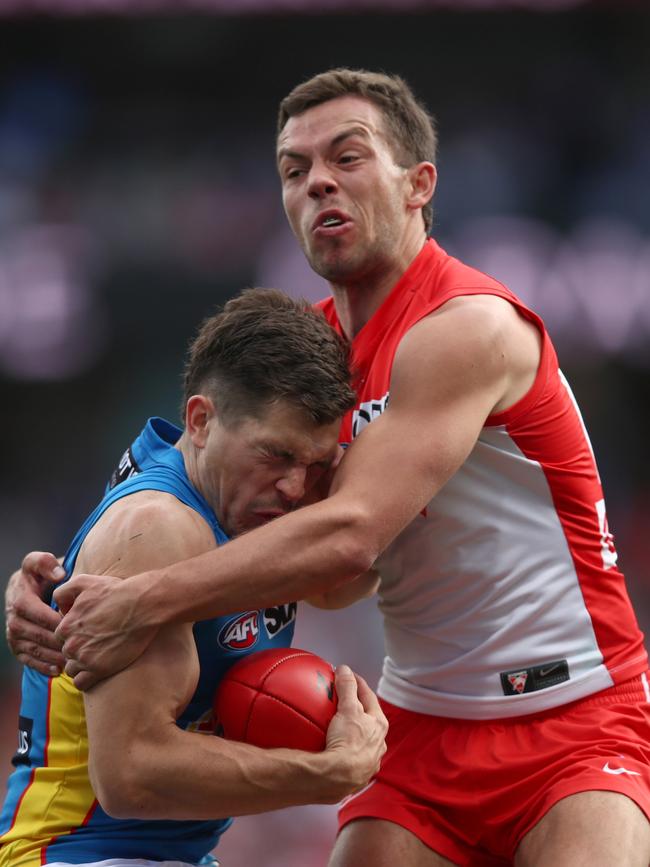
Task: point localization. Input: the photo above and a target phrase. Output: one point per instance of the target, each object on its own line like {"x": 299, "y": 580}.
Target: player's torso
{"x": 50, "y": 813}
{"x": 502, "y": 597}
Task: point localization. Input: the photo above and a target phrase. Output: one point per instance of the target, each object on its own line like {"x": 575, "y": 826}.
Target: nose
{"x": 321, "y": 183}
{"x": 292, "y": 484}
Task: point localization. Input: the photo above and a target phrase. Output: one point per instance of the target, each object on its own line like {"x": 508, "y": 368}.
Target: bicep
{"x": 133, "y": 709}
{"x": 362, "y": 587}
{"x": 441, "y": 391}
{"x": 138, "y": 704}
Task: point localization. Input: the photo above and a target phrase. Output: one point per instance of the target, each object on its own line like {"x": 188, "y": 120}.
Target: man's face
{"x": 343, "y": 193}
{"x": 260, "y": 468}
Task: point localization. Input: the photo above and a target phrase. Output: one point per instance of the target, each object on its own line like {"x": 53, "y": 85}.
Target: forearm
{"x": 192, "y": 776}
{"x": 306, "y": 553}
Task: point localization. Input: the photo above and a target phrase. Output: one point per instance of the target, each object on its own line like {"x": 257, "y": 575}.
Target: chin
{"x": 251, "y": 524}
{"x": 341, "y": 266}
{"x": 335, "y": 271}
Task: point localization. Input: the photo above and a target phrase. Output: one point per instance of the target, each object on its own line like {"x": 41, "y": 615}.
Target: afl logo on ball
{"x": 242, "y": 632}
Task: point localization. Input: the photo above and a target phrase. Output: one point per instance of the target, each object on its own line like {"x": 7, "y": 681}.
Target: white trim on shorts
{"x": 125, "y": 862}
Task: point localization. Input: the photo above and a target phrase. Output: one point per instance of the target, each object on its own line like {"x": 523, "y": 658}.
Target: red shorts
{"x": 471, "y": 789}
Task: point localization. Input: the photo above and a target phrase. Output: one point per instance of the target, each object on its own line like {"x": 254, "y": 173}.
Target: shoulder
{"x": 471, "y": 342}
{"x": 471, "y": 322}
{"x": 488, "y": 316}
{"x": 144, "y": 530}
{"x": 468, "y": 328}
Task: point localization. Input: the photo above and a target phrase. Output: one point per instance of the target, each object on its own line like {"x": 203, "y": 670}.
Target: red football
{"x": 277, "y": 698}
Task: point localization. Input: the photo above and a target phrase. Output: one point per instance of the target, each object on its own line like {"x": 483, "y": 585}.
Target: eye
{"x": 293, "y": 172}
{"x": 276, "y": 457}
{"x": 348, "y": 158}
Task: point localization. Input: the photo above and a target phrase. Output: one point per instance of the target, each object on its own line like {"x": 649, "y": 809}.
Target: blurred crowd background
{"x": 138, "y": 191}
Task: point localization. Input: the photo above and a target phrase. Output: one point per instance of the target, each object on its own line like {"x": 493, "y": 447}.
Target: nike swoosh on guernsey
{"x": 617, "y": 771}
{"x": 545, "y": 671}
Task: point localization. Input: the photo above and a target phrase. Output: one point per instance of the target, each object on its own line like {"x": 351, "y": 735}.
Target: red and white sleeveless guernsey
{"x": 503, "y": 597}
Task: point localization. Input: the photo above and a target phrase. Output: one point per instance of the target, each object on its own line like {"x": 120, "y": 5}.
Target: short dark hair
{"x": 411, "y": 128}
{"x": 263, "y": 347}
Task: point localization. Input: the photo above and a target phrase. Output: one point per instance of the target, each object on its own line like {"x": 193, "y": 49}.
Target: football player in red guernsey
{"x": 515, "y": 676}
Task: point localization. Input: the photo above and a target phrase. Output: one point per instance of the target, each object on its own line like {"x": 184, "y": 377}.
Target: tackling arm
{"x": 454, "y": 368}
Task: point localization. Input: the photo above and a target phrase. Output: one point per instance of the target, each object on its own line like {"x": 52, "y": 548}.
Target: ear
{"x": 422, "y": 184}
{"x": 199, "y": 411}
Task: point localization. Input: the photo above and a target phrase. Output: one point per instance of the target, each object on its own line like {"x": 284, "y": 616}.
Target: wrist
{"x": 334, "y": 774}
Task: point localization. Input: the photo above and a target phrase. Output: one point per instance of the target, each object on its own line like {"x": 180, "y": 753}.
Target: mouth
{"x": 331, "y": 222}
{"x": 266, "y": 515}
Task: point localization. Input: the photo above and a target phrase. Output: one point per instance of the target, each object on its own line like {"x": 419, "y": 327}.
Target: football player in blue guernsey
{"x": 124, "y": 774}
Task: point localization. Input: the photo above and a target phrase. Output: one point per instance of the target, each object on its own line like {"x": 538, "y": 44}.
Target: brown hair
{"x": 411, "y": 129}
{"x": 264, "y": 346}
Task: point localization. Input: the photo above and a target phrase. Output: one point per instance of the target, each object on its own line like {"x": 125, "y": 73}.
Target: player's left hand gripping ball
{"x": 277, "y": 698}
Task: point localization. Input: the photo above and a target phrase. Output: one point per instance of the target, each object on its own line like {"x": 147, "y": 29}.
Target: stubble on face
{"x": 343, "y": 264}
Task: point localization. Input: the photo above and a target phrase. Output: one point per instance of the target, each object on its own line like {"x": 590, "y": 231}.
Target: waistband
{"x": 636, "y": 690}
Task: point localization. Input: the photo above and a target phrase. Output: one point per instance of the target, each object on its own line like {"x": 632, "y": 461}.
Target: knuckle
{"x": 30, "y": 560}
{"x": 15, "y": 642}
{"x": 17, "y": 609}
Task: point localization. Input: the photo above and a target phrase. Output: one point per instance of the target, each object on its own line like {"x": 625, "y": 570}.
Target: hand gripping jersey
{"x": 50, "y": 813}
{"x": 503, "y": 597}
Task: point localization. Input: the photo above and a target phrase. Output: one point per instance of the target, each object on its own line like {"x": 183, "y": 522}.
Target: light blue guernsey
{"x": 50, "y": 813}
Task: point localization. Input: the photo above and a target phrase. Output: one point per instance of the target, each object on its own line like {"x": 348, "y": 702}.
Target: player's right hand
{"x": 30, "y": 621}
{"x": 356, "y": 735}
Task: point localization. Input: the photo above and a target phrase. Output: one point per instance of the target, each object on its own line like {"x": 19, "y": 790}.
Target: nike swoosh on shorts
{"x": 617, "y": 771}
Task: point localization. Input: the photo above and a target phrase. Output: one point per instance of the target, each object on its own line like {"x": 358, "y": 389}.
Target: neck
{"x": 357, "y": 300}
